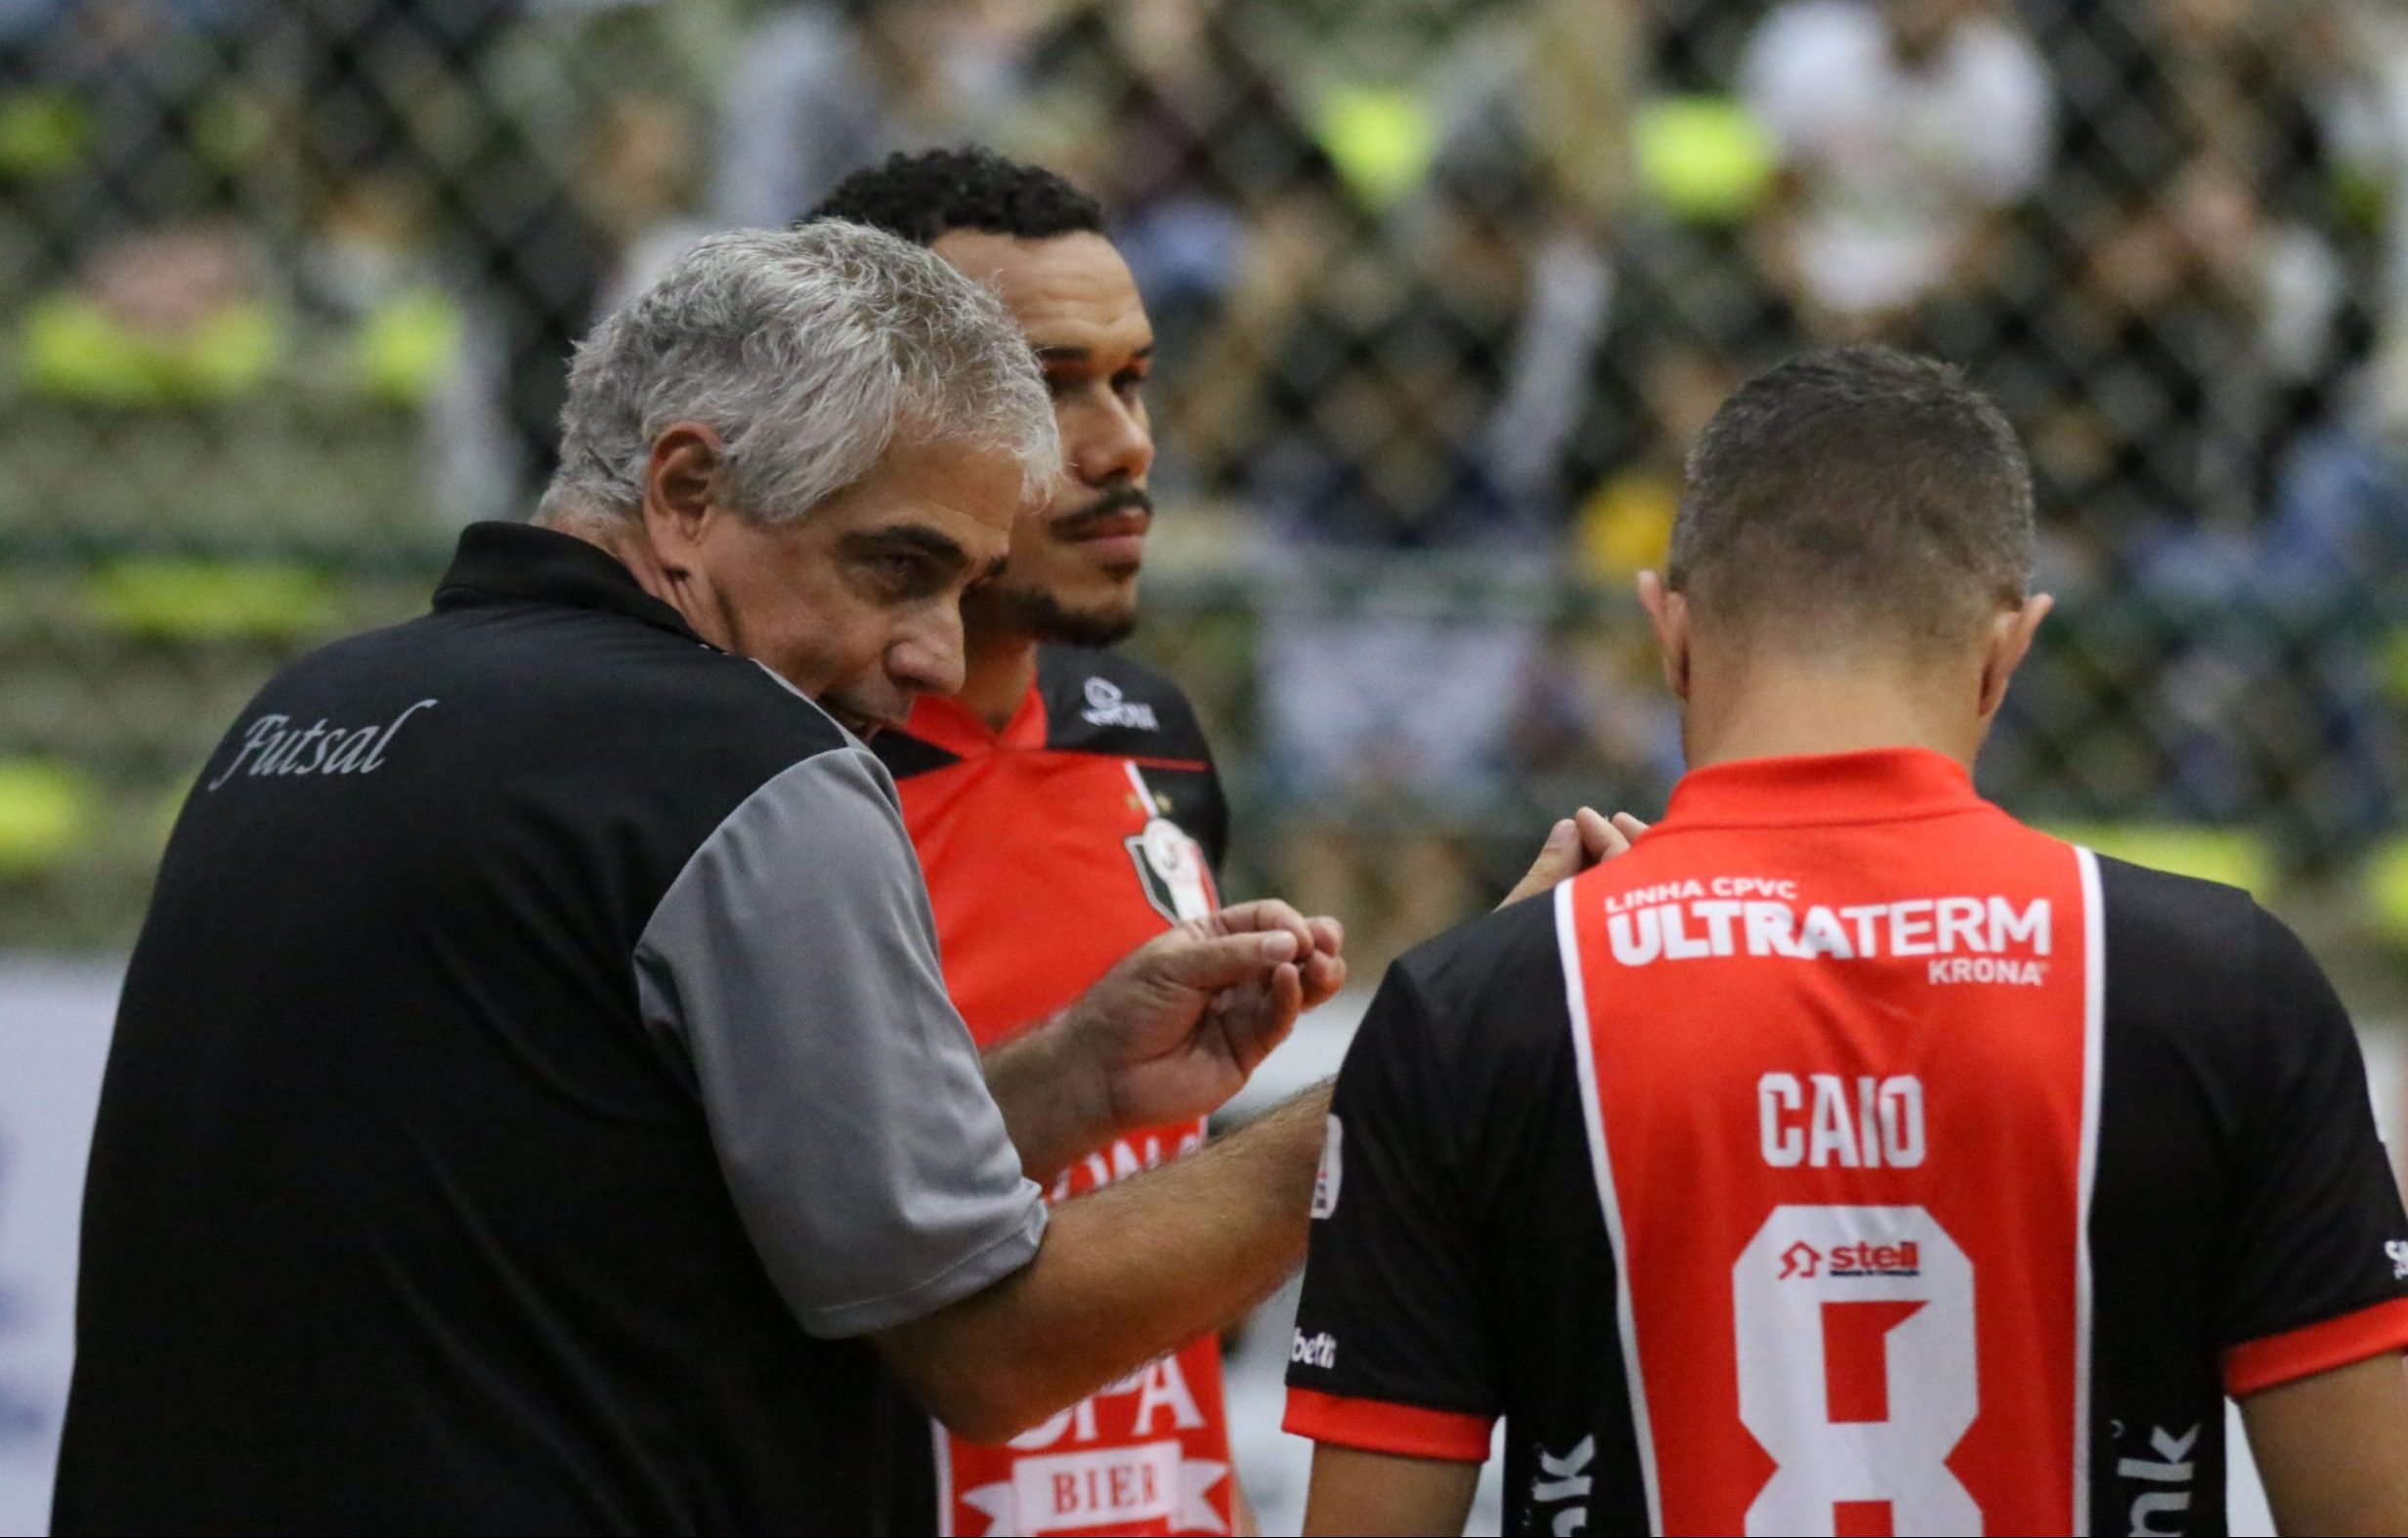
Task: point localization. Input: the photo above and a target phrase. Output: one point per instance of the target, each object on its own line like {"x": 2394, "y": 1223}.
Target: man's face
{"x": 859, "y": 605}
{"x": 1073, "y": 573}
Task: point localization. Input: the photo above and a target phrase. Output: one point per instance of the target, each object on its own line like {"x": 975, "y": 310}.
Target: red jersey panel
{"x": 1052, "y": 849}
{"x": 1851, "y": 1336}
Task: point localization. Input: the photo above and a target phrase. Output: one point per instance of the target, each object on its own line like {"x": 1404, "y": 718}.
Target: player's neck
{"x": 997, "y": 672}
{"x": 1786, "y": 709}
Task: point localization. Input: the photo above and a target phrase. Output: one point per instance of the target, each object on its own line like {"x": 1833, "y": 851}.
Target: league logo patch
{"x": 1333, "y": 1169}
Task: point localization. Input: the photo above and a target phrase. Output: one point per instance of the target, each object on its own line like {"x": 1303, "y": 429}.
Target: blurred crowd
{"x": 1443, "y": 290}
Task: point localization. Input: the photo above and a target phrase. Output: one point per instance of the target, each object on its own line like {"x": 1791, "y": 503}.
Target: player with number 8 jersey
{"x": 1847, "y": 1157}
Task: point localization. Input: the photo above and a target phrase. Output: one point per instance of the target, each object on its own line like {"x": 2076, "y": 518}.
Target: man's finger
{"x": 1328, "y": 935}
{"x": 1600, "y": 840}
{"x": 1211, "y": 962}
{"x": 1323, "y": 976}
{"x": 1559, "y": 860}
{"x": 1264, "y": 1018}
{"x": 1263, "y": 914}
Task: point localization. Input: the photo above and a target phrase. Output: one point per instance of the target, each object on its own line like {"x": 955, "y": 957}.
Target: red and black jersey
{"x": 1847, "y": 1158}
{"x": 1086, "y": 826}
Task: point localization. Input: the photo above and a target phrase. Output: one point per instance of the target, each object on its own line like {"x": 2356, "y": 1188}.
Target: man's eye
{"x": 903, "y": 574}
{"x": 1128, "y": 385}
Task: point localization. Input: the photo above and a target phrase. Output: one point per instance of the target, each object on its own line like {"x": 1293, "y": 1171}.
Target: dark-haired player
{"x": 1848, "y": 1158}
{"x": 1063, "y": 803}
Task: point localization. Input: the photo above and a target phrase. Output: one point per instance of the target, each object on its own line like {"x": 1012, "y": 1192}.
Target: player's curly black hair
{"x": 920, "y": 196}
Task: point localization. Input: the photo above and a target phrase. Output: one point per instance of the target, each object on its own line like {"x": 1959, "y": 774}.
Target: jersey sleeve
{"x": 1391, "y": 1352}
{"x": 2318, "y": 1253}
{"x": 793, "y": 965}
{"x": 1214, "y": 835}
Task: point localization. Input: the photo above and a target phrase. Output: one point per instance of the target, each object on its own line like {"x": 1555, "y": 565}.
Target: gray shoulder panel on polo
{"x": 794, "y": 961}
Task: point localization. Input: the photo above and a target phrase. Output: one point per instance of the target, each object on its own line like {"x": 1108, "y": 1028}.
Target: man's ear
{"x": 2010, "y": 640}
{"x": 1669, "y": 611}
{"x": 681, "y": 488}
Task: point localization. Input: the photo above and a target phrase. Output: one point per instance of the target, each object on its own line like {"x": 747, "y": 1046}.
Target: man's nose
{"x": 1113, "y": 442}
{"x": 928, "y": 658}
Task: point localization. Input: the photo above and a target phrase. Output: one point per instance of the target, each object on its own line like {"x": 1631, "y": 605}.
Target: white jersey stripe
{"x": 2093, "y": 1033}
{"x": 944, "y": 1483}
{"x": 1592, "y": 1108}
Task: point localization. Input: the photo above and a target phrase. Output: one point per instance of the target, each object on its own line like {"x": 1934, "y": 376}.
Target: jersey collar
{"x": 1879, "y": 785}
{"x": 942, "y": 721}
{"x": 545, "y": 566}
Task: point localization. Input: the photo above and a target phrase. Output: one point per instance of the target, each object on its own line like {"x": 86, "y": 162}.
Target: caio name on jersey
{"x": 1962, "y": 939}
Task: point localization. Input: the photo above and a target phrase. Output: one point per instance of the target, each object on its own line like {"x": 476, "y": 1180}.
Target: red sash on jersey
{"x": 1837, "y": 1026}
{"x": 1044, "y": 868}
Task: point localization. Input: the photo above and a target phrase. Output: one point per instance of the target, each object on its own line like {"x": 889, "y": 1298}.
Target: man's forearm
{"x": 1137, "y": 1270}
{"x": 1055, "y": 1101}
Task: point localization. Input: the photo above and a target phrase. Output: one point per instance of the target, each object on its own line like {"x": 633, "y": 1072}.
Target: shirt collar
{"x": 942, "y": 721}
{"x": 1879, "y": 785}
{"x": 545, "y": 566}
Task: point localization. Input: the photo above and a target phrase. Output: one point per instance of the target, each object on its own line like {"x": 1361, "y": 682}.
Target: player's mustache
{"x": 1111, "y": 504}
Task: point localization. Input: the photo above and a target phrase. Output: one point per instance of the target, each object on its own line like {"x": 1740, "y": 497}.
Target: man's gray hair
{"x": 809, "y": 352}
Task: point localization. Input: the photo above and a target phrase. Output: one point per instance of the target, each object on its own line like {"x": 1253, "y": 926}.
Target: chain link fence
{"x": 1444, "y": 287}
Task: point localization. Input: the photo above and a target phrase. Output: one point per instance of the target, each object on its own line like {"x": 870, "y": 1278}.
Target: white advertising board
{"x": 54, "y": 1040}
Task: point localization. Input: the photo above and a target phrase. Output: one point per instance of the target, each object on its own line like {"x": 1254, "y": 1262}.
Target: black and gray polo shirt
{"x": 534, "y": 1078}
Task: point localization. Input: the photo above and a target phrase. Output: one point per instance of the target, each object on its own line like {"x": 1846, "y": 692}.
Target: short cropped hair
{"x": 809, "y": 352}
{"x": 1858, "y": 488}
{"x": 923, "y": 196}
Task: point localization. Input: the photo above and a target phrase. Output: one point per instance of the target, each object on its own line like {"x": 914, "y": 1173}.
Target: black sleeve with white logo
{"x": 1394, "y": 1309}
{"x": 2317, "y": 1230}
{"x": 1460, "y": 1268}
{"x": 2244, "y": 1216}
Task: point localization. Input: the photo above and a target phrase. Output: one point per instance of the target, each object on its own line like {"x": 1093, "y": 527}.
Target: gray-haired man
{"x": 535, "y": 1102}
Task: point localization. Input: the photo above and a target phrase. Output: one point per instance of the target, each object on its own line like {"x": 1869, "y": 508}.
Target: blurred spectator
{"x": 2362, "y": 104}
{"x": 1223, "y": 198}
{"x": 825, "y": 87}
{"x": 642, "y": 165}
{"x": 2206, "y": 314}
{"x": 1906, "y": 128}
{"x": 409, "y": 156}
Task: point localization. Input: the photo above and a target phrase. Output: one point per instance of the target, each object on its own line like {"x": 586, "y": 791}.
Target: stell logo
{"x": 1107, "y": 705}
{"x": 1804, "y": 1261}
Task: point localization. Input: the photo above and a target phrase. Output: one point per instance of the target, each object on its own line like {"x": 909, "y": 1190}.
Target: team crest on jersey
{"x": 1171, "y": 868}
